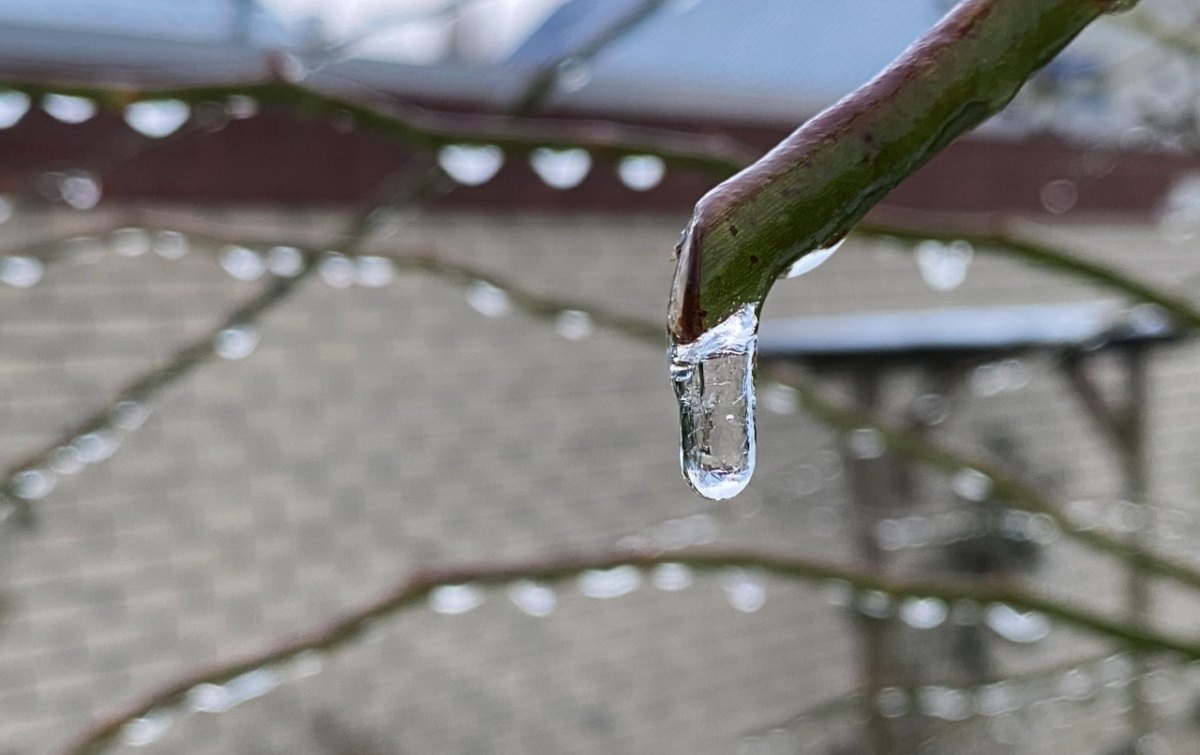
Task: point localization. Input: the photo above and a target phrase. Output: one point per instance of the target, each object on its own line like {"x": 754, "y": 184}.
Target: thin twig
{"x": 417, "y": 587}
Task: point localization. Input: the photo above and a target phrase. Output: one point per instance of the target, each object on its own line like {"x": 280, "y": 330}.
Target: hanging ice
{"x": 813, "y": 259}
{"x": 714, "y": 382}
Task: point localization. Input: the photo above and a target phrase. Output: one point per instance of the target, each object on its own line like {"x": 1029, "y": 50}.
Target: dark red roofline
{"x": 279, "y": 157}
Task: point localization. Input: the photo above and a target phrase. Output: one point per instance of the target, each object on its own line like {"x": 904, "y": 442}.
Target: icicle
{"x": 714, "y": 383}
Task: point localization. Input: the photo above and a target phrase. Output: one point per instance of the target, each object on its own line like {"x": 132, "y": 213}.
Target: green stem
{"x": 809, "y": 190}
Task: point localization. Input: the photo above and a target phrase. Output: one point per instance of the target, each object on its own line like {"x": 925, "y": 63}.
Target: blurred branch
{"x": 911, "y": 444}
{"x": 993, "y": 235}
{"x": 417, "y": 587}
{"x": 1184, "y": 40}
{"x": 147, "y": 385}
{"x": 540, "y": 84}
{"x": 809, "y": 190}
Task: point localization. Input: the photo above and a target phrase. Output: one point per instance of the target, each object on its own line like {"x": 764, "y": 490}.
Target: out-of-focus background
{"x": 386, "y": 417}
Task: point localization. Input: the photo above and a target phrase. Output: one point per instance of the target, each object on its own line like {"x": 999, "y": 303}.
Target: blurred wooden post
{"x": 868, "y": 483}
{"x": 1123, "y": 422}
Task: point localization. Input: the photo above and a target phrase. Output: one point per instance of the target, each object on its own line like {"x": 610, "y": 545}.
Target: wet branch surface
{"x": 811, "y": 189}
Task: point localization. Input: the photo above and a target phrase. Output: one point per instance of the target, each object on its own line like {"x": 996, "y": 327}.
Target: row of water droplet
{"x": 1010, "y": 707}
{"x": 90, "y": 447}
{"x": 476, "y": 164}
{"x": 744, "y": 589}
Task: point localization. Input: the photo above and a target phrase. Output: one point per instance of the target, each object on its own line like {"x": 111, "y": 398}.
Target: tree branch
{"x": 809, "y": 190}
{"x": 557, "y": 569}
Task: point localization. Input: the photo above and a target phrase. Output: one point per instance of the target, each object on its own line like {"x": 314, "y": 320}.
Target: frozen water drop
{"x": 157, "y": 118}
{"x": 66, "y": 460}
{"x": 779, "y": 399}
{"x": 1148, "y": 320}
{"x": 454, "y": 599}
{"x": 304, "y": 664}
{"x": 1077, "y": 684}
{"x": 972, "y": 485}
{"x": 745, "y": 590}
{"x": 866, "y": 443}
{"x": 471, "y": 164}
{"x": 32, "y": 484}
{"x": 170, "y": 245}
{"x": 944, "y": 267}
{"x": 147, "y": 729}
{"x": 671, "y": 577}
{"x": 945, "y": 703}
{"x": 875, "y": 604}
{"x": 285, "y": 261}
{"x": 573, "y": 325}
{"x": 130, "y": 242}
{"x": 573, "y": 74}
{"x": 241, "y": 106}
{"x": 892, "y": 702}
{"x": 996, "y": 699}
{"x": 487, "y": 299}
{"x": 80, "y": 190}
{"x": 337, "y": 270}
{"x": 610, "y": 583}
{"x": 13, "y": 106}
{"x": 68, "y": 108}
{"x": 130, "y": 415}
{"x": 1059, "y": 196}
{"x": 813, "y": 259}
{"x": 21, "y": 272}
{"x": 209, "y": 698}
{"x": 236, "y": 342}
{"x": 931, "y": 409}
{"x": 251, "y": 684}
{"x": 242, "y": 264}
{"x": 641, "y": 172}
{"x": 532, "y": 598}
{"x": 96, "y": 446}
{"x": 838, "y": 592}
{"x": 713, "y": 378}
{"x": 561, "y": 168}
{"x": 1015, "y": 626}
{"x": 374, "y": 272}
{"x": 924, "y": 613}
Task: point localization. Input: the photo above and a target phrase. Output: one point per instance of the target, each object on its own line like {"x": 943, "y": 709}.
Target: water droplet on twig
{"x": 641, "y": 172}
{"x": 561, "y": 168}
{"x": 68, "y": 108}
{"x": 237, "y": 342}
{"x": 487, "y": 299}
{"x": 454, "y": 599}
{"x": 13, "y": 106}
{"x": 157, "y": 118}
{"x": 21, "y": 272}
{"x": 471, "y": 164}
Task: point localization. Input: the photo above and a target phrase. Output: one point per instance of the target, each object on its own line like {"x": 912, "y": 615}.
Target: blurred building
{"x": 375, "y": 430}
